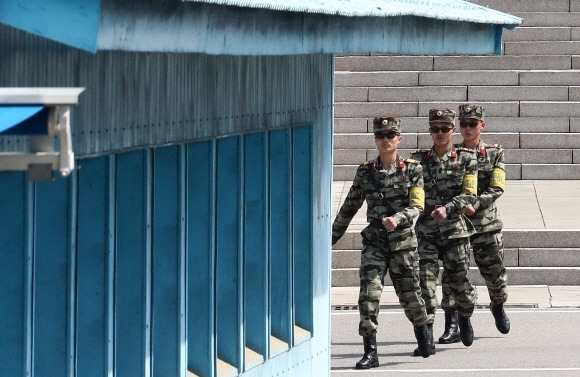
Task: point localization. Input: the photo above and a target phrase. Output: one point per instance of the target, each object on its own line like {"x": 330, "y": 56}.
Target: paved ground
{"x": 545, "y": 320}
{"x": 542, "y": 342}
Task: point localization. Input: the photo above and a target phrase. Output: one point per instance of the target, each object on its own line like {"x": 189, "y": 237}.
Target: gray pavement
{"x": 542, "y": 342}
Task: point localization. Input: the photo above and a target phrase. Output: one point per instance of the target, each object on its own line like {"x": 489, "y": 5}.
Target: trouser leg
{"x": 488, "y": 256}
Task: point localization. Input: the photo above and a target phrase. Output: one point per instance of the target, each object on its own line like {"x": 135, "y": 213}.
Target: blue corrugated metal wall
{"x": 197, "y": 223}
{"x": 126, "y": 268}
{"x": 150, "y": 99}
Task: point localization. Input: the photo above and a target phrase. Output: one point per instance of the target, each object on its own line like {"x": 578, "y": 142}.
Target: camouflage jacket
{"x": 451, "y": 182}
{"x": 490, "y": 186}
{"x": 396, "y": 192}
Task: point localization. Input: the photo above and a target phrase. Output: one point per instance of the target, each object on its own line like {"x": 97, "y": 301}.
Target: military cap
{"x": 467, "y": 111}
{"x": 442, "y": 116}
{"x": 386, "y": 123}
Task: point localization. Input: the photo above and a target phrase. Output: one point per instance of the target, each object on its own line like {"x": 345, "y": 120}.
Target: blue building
{"x": 193, "y": 236}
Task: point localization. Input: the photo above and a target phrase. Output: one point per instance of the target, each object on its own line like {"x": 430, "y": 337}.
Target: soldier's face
{"x": 471, "y": 129}
{"x": 441, "y": 133}
{"x": 387, "y": 142}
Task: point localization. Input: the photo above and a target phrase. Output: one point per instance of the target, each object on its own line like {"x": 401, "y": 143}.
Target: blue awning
{"x": 24, "y": 120}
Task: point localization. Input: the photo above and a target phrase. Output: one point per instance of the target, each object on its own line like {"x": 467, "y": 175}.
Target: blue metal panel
{"x": 228, "y": 267}
{"x": 256, "y": 243}
{"x": 167, "y": 275}
{"x": 14, "y": 260}
{"x": 73, "y": 22}
{"x": 322, "y": 147}
{"x": 302, "y": 186}
{"x": 201, "y": 258}
{"x": 51, "y": 277}
{"x": 280, "y": 238}
{"x": 92, "y": 344}
{"x": 133, "y": 266}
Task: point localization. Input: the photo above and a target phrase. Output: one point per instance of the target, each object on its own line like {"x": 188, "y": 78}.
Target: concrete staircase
{"x": 538, "y": 257}
{"x": 531, "y": 95}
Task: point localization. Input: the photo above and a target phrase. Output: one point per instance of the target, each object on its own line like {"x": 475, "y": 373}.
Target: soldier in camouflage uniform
{"x": 393, "y": 190}
{"x": 450, "y": 182}
{"x": 487, "y": 243}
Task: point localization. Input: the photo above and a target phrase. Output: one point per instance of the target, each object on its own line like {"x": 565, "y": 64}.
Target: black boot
{"x": 465, "y": 330}
{"x": 502, "y": 322}
{"x": 424, "y": 335}
{"x": 370, "y": 359}
{"x": 451, "y": 333}
{"x": 416, "y": 351}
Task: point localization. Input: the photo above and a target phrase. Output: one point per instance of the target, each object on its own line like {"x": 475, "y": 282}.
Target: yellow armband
{"x": 469, "y": 184}
{"x": 498, "y": 178}
{"x": 417, "y": 197}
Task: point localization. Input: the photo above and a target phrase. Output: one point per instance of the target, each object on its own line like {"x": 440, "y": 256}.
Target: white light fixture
{"x": 41, "y": 114}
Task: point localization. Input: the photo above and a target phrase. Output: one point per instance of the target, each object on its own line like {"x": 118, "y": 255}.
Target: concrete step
{"x": 563, "y": 18}
{"x": 509, "y": 140}
{"x": 503, "y": 108}
{"x": 513, "y": 257}
{"x": 453, "y": 78}
{"x": 532, "y": 257}
{"x": 542, "y": 47}
{"x": 541, "y": 33}
{"x": 493, "y": 124}
{"x": 472, "y": 93}
{"x": 516, "y": 276}
{"x": 527, "y": 5}
{"x": 378, "y": 65}
{"x": 513, "y": 171}
{"x": 463, "y": 93}
{"x": 513, "y": 238}
{"x": 354, "y": 157}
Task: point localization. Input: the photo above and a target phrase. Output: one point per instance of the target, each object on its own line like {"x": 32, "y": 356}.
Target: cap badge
{"x": 439, "y": 113}
{"x": 385, "y": 122}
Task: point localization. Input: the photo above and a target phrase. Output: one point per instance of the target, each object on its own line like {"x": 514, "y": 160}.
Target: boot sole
{"x": 417, "y": 353}
{"x": 502, "y": 330}
{"x": 455, "y": 340}
{"x": 375, "y": 365}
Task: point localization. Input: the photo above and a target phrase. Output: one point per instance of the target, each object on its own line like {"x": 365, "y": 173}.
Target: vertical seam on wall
{"x": 111, "y": 270}
{"x": 183, "y": 259}
{"x": 71, "y": 349}
{"x": 148, "y": 262}
{"x": 30, "y": 198}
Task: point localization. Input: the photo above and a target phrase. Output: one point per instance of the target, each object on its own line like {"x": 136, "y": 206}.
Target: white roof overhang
{"x": 266, "y": 27}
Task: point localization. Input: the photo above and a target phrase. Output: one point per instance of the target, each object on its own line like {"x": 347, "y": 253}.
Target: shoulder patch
{"x": 463, "y": 149}
{"x": 419, "y": 151}
{"x": 497, "y": 146}
{"x": 411, "y": 161}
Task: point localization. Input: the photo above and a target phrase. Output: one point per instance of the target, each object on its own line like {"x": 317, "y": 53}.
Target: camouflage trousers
{"x": 377, "y": 258}
{"x": 488, "y": 256}
{"x": 454, "y": 253}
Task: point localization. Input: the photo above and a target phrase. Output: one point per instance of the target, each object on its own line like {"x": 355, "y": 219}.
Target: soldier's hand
{"x": 468, "y": 211}
{"x": 439, "y": 213}
{"x": 389, "y": 223}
